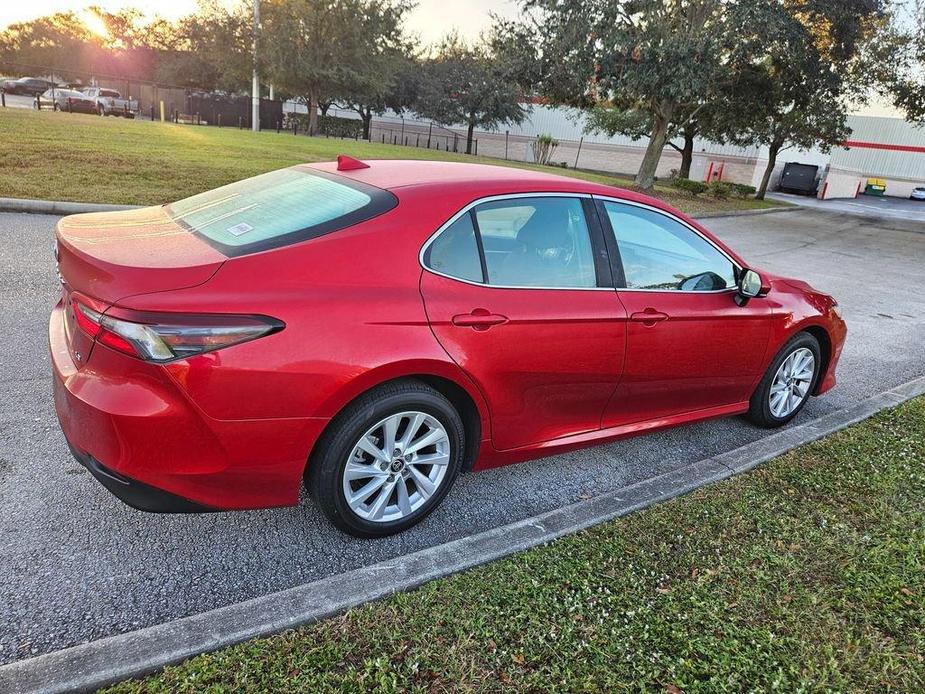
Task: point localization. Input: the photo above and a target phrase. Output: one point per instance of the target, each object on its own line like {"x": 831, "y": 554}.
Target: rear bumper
{"x": 137, "y": 494}
{"x": 154, "y": 449}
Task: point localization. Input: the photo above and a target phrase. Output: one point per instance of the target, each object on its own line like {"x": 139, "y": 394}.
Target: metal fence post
{"x": 430, "y": 130}
{"x": 507, "y": 134}
{"x": 475, "y": 152}
{"x": 3, "y": 98}
{"x": 578, "y": 154}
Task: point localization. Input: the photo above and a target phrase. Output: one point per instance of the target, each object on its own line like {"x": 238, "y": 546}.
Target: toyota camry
{"x": 371, "y": 330}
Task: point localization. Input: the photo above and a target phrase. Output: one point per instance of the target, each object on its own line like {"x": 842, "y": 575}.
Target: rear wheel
{"x": 387, "y": 460}
{"x": 788, "y": 382}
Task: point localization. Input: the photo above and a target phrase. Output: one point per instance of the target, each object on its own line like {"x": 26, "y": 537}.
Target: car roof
{"x": 392, "y": 174}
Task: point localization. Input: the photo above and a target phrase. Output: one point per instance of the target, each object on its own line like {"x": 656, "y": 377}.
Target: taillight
{"x": 162, "y": 337}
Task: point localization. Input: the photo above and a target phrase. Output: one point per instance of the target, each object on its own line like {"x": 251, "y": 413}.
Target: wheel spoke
{"x": 425, "y": 486}
{"x": 367, "y": 446}
{"x": 411, "y": 429}
{"x": 365, "y": 491}
{"x": 359, "y": 471}
{"x": 404, "y": 503}
{"x": 378, "y": 507}
{"x": 431, "y": 459}
{"x": 429, "y": 439}
{"x": 389, "y": 428}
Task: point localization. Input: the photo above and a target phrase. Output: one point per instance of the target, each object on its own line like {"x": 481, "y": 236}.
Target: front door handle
{"x": 649, "y": 317}
{"x": 479, "y": 319}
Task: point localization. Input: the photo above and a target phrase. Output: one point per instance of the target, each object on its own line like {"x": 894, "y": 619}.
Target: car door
{"x": 518, "y": 291}
{"x": 690, "y": 346}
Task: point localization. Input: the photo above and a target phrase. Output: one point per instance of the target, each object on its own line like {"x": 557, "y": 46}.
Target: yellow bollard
{"x": 162, "y": 111}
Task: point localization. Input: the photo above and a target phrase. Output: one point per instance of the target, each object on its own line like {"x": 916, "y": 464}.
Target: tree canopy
{"x": 468, "y": 84}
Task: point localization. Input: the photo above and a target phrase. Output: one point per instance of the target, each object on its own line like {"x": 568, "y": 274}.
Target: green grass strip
{"x": 84, "y": 158}
{"x": 807, "y": 574}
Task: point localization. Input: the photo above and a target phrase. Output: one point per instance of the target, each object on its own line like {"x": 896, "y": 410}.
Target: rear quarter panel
{"x": 354, "y": 318}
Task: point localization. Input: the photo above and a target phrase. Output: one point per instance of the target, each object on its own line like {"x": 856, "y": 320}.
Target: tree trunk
{"x": 645, "y": 178}
{"x": 312, "y": 113}
{"x": 469, "y": 137}
{"x": 367, "y": 117}
{"x": 687, "y": 153}
{"x": 773, "y": 151}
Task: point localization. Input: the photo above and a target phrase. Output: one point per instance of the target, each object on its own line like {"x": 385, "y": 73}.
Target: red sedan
{"x": 376, "y": 329}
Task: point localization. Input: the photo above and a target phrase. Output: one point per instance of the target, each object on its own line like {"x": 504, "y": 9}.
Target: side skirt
{"x": 489, "y": 457}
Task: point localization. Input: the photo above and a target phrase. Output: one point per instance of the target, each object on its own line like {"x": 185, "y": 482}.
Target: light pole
{"x": 255, "y": 85}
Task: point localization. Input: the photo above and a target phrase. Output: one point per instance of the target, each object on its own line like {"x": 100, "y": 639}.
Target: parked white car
{"x": 109, "y": 102}
{"x": 918, "y": 194}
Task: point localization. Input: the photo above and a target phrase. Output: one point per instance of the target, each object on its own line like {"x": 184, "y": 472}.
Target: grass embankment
{"x": 58, "y": 156}
{"x": 807, "y": 574}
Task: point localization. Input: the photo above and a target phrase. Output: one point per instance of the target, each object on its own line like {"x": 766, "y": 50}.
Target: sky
{"x": 431, "y": 19}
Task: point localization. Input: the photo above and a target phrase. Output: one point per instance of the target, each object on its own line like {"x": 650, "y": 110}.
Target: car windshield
{"x": 277, "y": 208}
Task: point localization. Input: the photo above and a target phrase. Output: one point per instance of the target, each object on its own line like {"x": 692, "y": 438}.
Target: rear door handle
{"x": 479, "y": 319}
{"x": 649, "y": 317}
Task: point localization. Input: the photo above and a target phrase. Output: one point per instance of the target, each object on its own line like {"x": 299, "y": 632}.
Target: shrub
{"x": 332, "y": 126}
{"x": 689, "y": 186}
{"x": 543, "y": 148}
{"x": 720, "y": 190}
{"x": 743, "y": 191}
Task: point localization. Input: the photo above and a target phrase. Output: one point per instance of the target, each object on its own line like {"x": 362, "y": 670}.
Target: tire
{"x": 761, "y": 411}
{"x": 364, "y": 421}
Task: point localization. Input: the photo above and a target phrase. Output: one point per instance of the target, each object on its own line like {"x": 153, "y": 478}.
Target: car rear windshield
{"x": 278, "y": 208}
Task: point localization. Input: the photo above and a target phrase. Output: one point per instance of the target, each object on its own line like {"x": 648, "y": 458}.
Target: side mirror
{"x": 750, "y": 285}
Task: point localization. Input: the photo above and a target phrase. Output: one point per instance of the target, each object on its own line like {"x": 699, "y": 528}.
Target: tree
{"x": 797, "y": 73}
{"x": 463, "y": 84}
{"x": 382, "y": 75}
{"x": 321, "y": 50}
{"x": 688, "y": 123}
{"x": 897, "y": 59}
{"x": 642, "y": 62}
{"x": 211, "y": 49}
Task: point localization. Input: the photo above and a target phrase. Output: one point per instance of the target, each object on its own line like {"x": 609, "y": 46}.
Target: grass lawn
{"x": 56, "y": 156}
{"x": 807, "y": 574}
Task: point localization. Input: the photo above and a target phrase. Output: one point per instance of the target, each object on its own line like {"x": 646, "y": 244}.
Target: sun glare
{"x": 94, "y": 23}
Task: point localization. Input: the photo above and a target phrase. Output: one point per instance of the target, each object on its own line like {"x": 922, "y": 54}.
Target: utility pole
{"x": 255, "y": 86}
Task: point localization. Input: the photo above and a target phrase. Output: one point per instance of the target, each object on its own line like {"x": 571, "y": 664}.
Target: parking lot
{"x": 77, "y": 564}
{"x": 863, "y": 205}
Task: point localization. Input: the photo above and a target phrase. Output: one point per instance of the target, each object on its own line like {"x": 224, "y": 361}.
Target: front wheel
{"x": 788, "y": 382}
{"x": 387, "y": 460}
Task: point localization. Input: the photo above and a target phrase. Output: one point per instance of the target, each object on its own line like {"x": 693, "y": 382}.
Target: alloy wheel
{"x": 396, "y": 466}
{"x": 791, "y": 383}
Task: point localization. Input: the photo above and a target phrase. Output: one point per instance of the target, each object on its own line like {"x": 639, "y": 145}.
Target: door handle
{"x": 649, "y": 317}
{"x": 479, "y": 319}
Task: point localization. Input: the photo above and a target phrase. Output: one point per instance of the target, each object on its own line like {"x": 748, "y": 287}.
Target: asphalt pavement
{"x": 77, "y": 565}
{"x": 863, "y": 205}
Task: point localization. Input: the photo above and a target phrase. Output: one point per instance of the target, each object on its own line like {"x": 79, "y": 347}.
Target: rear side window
{"x": 278, "y": 208}
{"x": 534, "y": 241}
{"x": 456, "y": 252}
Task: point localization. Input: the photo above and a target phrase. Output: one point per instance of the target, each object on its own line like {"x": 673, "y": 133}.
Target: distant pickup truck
{"x": 109, "y": 102}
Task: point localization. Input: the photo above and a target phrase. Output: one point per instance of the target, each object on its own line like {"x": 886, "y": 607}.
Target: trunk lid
{"x": 105, "y": 257}
{"x": 112, "y": 255}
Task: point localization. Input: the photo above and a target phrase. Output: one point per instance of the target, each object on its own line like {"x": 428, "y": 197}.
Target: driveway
{"x": 864, "y": 205}
{"x": 76, "y": 564}
{"x": 19, "y": 101}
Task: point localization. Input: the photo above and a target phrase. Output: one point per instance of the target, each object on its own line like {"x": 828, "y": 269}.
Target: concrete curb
{"x": 89, "y": 666}
{"x": 58, "y": 207}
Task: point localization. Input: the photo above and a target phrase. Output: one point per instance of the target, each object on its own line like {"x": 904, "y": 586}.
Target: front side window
{"x": 277, "y": 208}
{"x": 660, "y": 253}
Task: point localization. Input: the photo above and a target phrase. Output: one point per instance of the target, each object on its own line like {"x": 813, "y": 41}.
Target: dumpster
{"x": 875, "y": 186}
